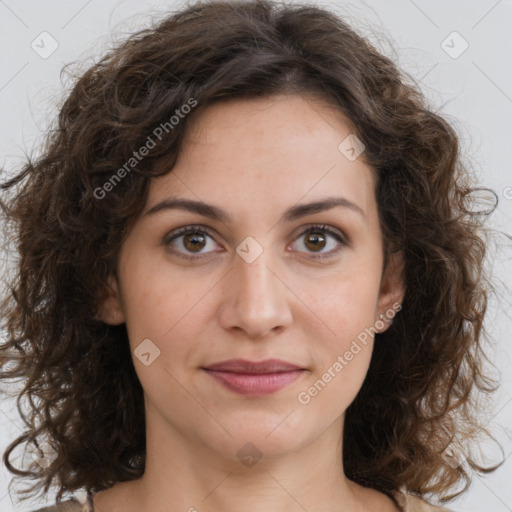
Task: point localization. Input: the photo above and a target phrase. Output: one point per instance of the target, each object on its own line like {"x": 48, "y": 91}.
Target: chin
{"x": 268, "y": 437}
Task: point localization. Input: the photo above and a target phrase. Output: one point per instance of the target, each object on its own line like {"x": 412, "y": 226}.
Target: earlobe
{"x": 110, "y": 308}
{"x": 392, "y": 290}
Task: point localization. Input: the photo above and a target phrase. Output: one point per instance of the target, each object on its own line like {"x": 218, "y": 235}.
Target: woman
{"x": 249, "y": 276}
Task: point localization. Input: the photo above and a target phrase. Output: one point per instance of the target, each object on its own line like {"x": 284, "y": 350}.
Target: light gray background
{"x": 473, "y": 90}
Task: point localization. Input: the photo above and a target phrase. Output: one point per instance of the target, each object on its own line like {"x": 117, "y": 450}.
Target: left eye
{"x": 193, "y": 240}
{"x": 317, "y": 238}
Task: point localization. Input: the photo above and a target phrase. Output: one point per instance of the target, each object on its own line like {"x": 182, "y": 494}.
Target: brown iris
{"x": 317, "y": 241}
{"x": 194, "y": 242}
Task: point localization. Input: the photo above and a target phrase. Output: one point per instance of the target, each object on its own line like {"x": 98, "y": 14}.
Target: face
{"x": 256, "y": 275}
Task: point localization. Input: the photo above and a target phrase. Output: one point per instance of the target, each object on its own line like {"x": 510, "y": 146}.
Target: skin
{"x": 254, "y": 159}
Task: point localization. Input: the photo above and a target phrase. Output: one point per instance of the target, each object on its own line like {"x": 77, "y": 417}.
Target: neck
{"x": 191, "y": 476}
{"x": 183, "y": 474}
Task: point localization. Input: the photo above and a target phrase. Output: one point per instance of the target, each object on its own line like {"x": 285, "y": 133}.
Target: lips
{"x": 254, "y": 378}
{"x": 255, "y": 367}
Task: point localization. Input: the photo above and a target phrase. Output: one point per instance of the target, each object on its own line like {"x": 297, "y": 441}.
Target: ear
{"x": 392, "y": 291}
{"x": 110, "y": 308}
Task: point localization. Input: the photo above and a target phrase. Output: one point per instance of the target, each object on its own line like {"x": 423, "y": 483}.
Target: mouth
{"x": 254, "y": 378}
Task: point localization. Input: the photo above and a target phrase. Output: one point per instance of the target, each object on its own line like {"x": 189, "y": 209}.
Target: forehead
{"x": 266, "y": 151}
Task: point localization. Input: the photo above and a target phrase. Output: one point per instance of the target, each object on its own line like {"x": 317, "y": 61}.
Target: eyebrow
{"x": 215, "y": 213}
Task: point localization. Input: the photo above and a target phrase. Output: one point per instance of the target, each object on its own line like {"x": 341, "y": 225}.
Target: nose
{"x": 256, "y": 301}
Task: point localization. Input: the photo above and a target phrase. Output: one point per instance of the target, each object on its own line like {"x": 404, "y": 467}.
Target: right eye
{"x": 189, "y": 240}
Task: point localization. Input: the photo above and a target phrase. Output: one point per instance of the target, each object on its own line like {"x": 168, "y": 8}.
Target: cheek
{"x": 342, "y": 362}
{"x": 168, "y": 309}
{"x": 342, "y": 347}
{"x": 155, "y": 300}
{"x": 344, "y": 304}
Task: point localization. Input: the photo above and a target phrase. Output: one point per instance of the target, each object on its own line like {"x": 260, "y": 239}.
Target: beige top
{"x": 407, "y": 502}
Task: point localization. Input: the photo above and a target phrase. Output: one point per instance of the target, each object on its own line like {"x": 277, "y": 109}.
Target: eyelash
{"x": 200, "y": 230}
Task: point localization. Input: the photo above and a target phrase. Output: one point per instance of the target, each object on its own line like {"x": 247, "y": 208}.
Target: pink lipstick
{"x": 254, "y": 378}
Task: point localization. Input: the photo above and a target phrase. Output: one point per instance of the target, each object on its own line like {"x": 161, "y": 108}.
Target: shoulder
{"x": 71, "y": 505}
{"x": 415, "y": 504}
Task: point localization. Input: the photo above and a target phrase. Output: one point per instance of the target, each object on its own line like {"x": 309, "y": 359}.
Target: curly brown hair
{"x": 80, "y": 384}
